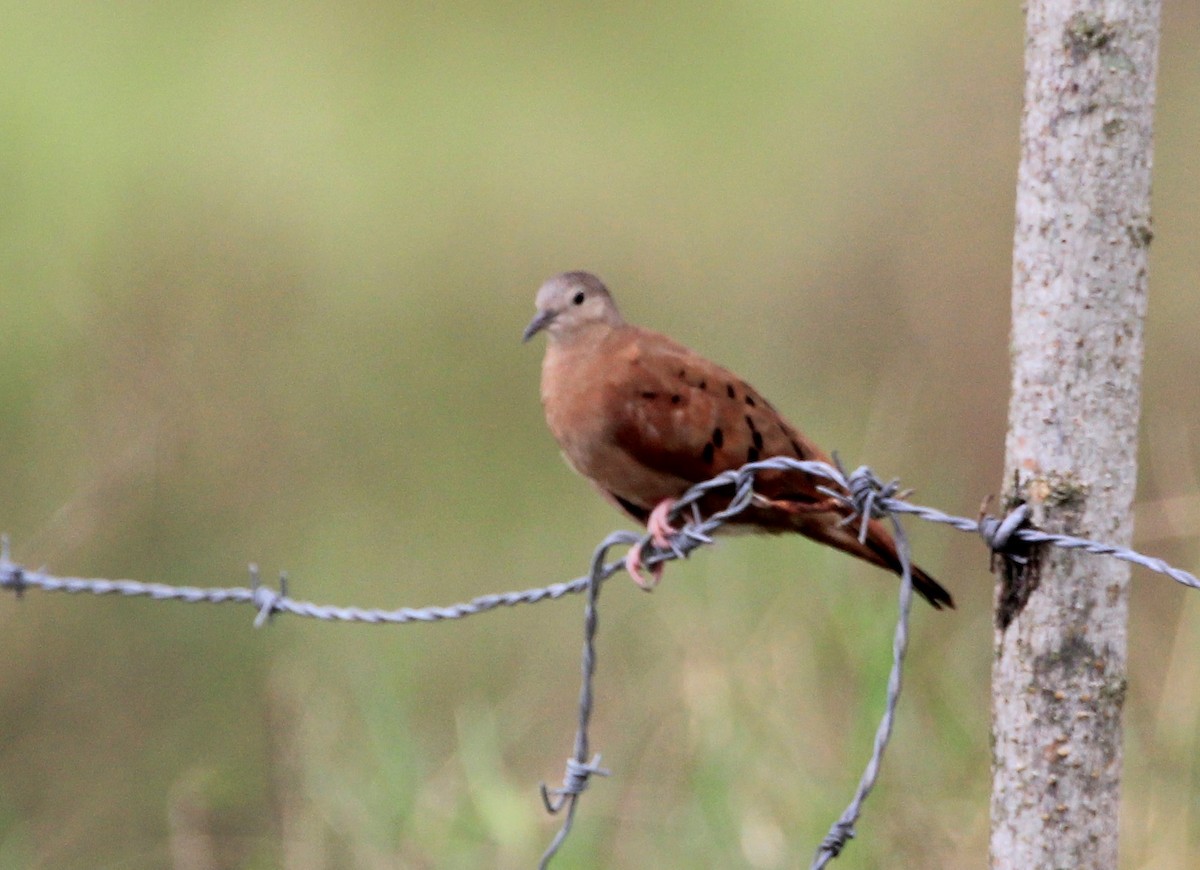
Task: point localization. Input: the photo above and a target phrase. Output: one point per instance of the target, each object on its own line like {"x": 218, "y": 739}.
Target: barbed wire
{"x": 861, "y": 493}
{"x": 579, "y": 768}
{"x": 841, "y": 832}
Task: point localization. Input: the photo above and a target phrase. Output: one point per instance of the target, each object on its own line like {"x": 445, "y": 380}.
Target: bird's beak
{"x": 539, "y": 322}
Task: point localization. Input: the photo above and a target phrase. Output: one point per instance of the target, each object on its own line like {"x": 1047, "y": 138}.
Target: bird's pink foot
{"x": 633, "y": 564}
{"x": 660, "y": 533}
{"x": 660, "y": 530}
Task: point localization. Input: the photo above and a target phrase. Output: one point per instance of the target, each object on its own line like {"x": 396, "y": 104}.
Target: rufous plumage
{"x": 644, "y": 418}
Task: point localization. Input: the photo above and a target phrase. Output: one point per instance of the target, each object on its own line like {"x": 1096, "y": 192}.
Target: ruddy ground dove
{"x": 644, "y": 418}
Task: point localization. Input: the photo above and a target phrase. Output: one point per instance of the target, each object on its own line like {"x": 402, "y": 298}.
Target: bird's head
{"x": 570, "y": 304}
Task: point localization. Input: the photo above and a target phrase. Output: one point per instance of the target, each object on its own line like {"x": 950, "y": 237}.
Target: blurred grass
{"x": 263, "y": 270}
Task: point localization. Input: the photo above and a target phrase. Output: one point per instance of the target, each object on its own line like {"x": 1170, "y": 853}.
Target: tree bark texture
{"x": 1079, "y": 298}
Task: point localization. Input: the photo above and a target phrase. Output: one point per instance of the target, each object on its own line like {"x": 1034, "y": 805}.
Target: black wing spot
{"x": 758, "y": 441}
{"x": 676, "y": 399}
{"x": 730, "y": 391}
{"x": 749, "y": 400}
{"x": 649, "y": 394}
{"x": 703, "y": 385}
{"x": 683, "y": 374}
{"x": 707, "y": 455}
{"x": 750, "y": 423}
{"x": 798, "y": 449}
{"x": 752, "y": 454}
{"x": 718, "y": 437}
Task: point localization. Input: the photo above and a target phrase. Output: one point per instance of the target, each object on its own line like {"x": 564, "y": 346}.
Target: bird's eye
{"x": 577, "y": 299}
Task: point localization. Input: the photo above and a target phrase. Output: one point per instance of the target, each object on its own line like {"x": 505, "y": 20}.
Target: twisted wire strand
{"x": 696, "y": 533}
{"x": 863, "y": 494}
{"x": 579, "y": 768}
{"x": 269, "y": 601}
{"x": 842, "y": 831}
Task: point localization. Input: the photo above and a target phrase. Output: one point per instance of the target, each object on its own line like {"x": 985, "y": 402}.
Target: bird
{"x": 644, "y": 418}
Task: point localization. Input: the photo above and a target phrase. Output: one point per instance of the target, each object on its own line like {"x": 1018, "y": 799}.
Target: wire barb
{"x": 575, "y": 782}
{"x": 998, "y": 534}
{"x": 12, "y": 576}
{"x": 864, "y": 495}
{"x": 266, "y": 599}
{"x": 835, "y": 841}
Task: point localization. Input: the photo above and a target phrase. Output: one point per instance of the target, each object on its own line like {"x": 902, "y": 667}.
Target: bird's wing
{"x": 674, "y": 412}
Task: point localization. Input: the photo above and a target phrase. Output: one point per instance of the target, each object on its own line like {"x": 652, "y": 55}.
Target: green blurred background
{"x": 263, "y": 273}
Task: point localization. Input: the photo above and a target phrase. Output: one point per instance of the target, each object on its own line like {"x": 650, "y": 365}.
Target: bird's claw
{"x": 634, "y": 565}
{"x": 661, "y": 533}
